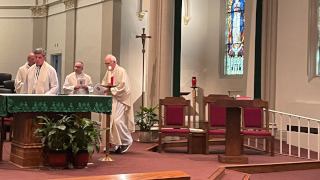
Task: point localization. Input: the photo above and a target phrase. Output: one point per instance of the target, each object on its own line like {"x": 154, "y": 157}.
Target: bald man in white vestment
{"x": 22, "y": 73}
{"x": 78, "y": 82}
{"x": 121, "y": 119}
{"x": 41, "y": 77}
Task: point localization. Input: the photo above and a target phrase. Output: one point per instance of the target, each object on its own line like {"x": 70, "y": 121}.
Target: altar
{"x": 26, "y": 149}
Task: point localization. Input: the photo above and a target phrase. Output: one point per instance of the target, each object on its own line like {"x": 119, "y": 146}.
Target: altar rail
{"x": 299, "y": 134}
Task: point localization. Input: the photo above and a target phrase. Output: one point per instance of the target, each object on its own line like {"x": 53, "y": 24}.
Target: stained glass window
{"x": 233, "y": 62}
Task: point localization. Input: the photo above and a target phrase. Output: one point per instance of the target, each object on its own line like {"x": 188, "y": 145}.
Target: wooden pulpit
{"x": 234, "y": 139}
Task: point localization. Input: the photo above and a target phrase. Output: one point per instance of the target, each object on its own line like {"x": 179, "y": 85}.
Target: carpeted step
{"x": 234, "y": 175}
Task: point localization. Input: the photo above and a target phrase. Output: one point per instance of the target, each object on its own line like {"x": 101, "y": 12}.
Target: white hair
{"x": 113, "y": 58}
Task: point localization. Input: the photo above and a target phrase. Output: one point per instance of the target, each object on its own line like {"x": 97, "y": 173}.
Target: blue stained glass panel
{"x": 234, "y": 34}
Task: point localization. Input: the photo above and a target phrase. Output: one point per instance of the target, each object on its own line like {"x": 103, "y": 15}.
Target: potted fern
{"x": 146, "y": 119}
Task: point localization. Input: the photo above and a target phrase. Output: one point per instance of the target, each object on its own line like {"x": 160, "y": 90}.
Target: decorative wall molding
{"x": 39, "y": 11}
{"x": 15, "y": 7}
{"x": 70, "y": 4}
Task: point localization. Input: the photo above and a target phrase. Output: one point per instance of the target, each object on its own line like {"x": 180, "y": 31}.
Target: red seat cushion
{"x": 181, "y": 131}
{"x": 8, "y": 118}
{"x": 217, "y": 132}
{"x": 256, "y": 133}
{"x": 217, "y": 115}
{"x": 174, "y": 115}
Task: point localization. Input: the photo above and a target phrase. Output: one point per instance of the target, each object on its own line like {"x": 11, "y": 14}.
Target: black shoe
{"x": 125, "y": 148}
{"x": 119, "y": 150}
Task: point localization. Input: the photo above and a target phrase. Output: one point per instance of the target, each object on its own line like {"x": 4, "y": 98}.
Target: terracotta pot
{"x": 57, "y": 159}
{"x": 145, "y": 136}
{"x": 81, "y": 159}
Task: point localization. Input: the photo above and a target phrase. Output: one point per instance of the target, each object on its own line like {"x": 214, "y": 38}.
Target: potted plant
{"x": 85, "y": 138}
{"x": 146, "y": 119}
{"x": 55, "y": 136}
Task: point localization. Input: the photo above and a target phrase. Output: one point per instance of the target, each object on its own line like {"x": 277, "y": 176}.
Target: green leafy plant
{"x": 54, "y": 133}
{"x": 85, "y": 135}
{"x": 146, "y": 118}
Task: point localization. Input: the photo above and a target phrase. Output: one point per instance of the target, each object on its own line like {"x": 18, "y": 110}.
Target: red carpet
{"x": 138, "y": 160}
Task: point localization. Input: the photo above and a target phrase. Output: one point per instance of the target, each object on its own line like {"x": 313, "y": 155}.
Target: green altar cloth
{"x": 3, "y": 107}
{"x": 54, "y": 103}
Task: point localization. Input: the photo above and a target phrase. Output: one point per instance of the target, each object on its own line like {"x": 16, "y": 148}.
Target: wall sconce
{"x": 141, "y": 15}
{"x": 186, "y": 17}
{"x": 140, "y": 12}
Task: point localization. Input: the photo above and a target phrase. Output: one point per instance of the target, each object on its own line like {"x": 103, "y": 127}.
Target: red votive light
{"x": 111, "y": 81}
{"x": 194, "y": 81}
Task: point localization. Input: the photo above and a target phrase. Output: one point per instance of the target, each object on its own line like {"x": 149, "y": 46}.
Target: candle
{"x": 194, "y": 81}
{"x": 111, "y": 81}
{"x": 109, "y": 75}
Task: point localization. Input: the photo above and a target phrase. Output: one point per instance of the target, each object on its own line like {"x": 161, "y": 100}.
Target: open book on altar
{"x": 99, "y": 89}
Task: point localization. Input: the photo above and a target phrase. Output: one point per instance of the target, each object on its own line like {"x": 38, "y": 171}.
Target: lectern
{"x": 234, "y": 140}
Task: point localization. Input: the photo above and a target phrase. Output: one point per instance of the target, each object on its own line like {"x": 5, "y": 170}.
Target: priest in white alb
{"x": 41, "y": 77}
{"x": 78, "y": 82}
{"x": 121, "y": 119}
{"x": 22, "y": 73}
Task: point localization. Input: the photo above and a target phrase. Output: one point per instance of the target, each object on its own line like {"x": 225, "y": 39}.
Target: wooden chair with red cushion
{"x": 255, "y": 124}
{"x": 214, "y": 118}
{"x": 172, "y": 120}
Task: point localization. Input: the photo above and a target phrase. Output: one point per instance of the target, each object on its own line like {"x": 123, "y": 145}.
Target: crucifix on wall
{"x": 143, "y": 38}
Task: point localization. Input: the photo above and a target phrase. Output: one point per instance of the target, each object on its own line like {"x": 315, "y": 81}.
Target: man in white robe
{"x": 22, "y": 73}
{"x": 121, "y": 119}
{"x": 78, "y": 82}
{"x": 41, "y": 77}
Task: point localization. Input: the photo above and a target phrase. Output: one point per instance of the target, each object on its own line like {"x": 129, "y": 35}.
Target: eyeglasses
{"x": 108, "y": 63}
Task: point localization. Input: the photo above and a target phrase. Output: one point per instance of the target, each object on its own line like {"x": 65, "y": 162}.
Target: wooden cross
{"x": 143, "y": 38}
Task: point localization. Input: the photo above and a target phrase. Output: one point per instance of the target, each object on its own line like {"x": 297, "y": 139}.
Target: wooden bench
{"x": 176, "y": 175}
